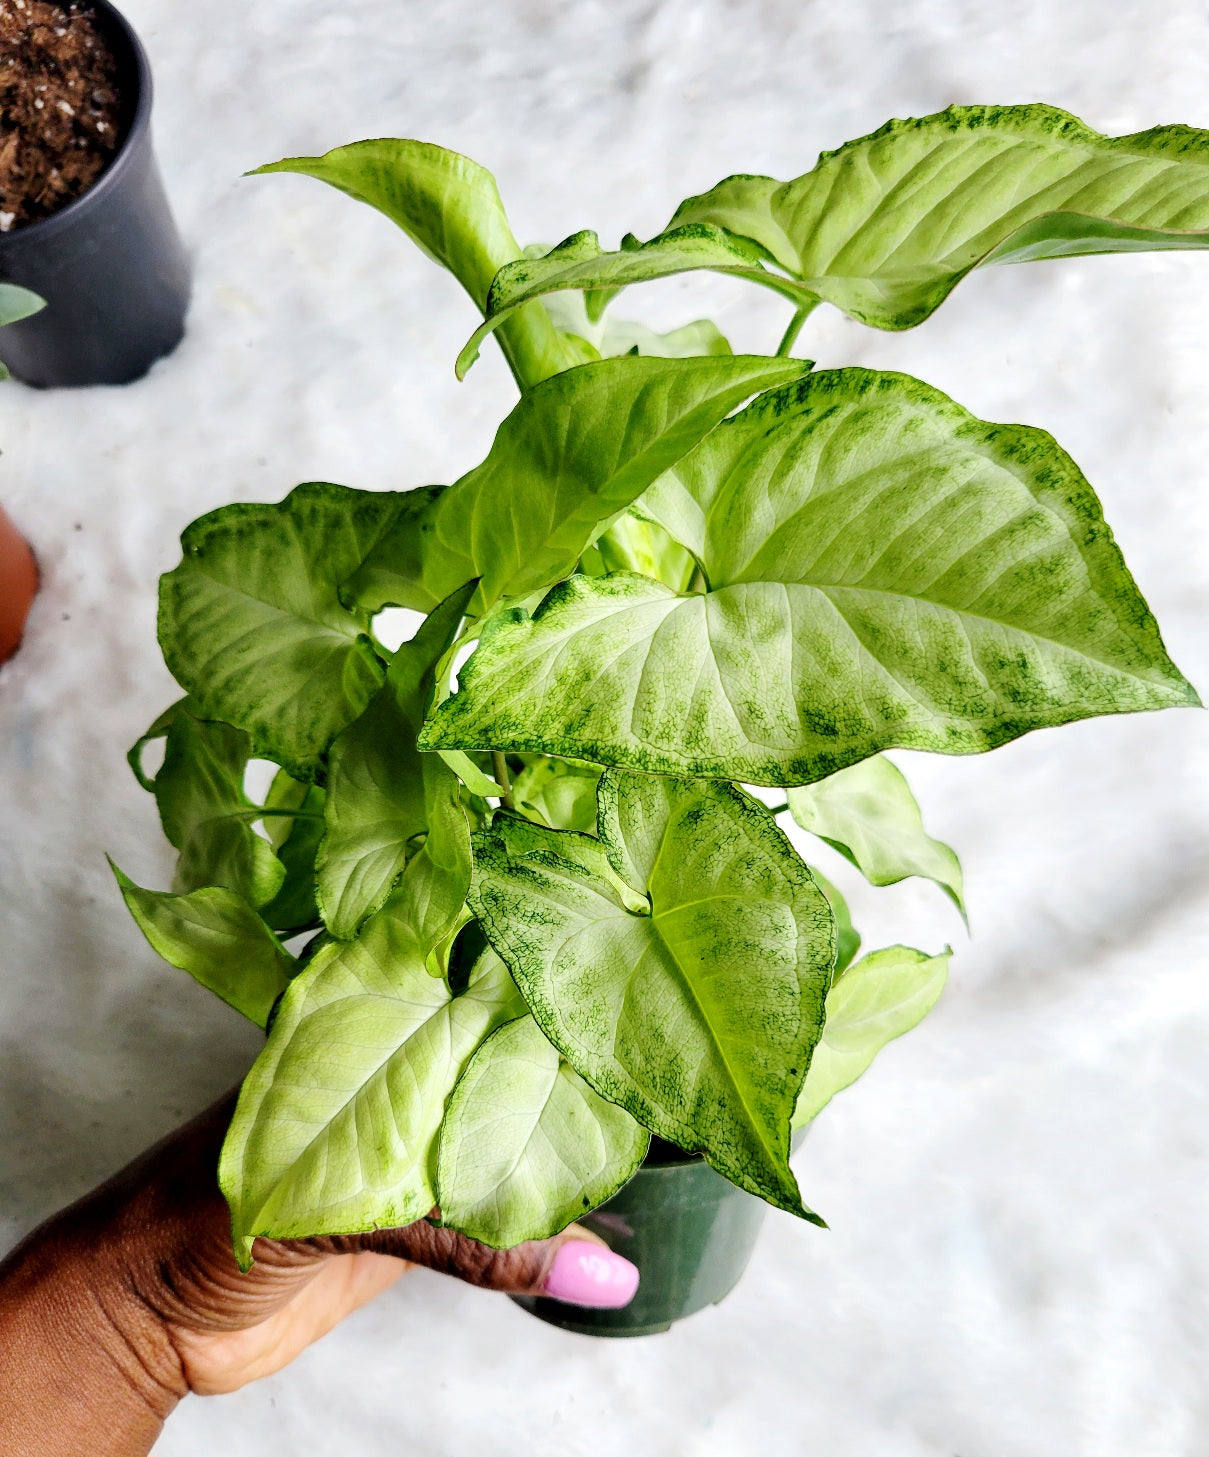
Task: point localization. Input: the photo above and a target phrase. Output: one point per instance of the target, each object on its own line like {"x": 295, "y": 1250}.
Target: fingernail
{"x": 591, "y": 1275}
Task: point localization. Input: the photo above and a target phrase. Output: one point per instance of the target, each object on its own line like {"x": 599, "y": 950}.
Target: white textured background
{"x": 1017, "y": 1262}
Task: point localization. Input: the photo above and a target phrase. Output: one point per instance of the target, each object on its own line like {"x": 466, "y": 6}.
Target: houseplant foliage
{"x": 543, "y": 917}
{"x": 17, "y": 303}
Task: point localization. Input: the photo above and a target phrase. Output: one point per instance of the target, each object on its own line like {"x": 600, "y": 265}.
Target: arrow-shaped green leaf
{"x": 451, "y": 208}
{"x": 609, "y": 336}
{"x": 576, "y": 450}
{"x": 205, "y": 813}
{"x": 364, "y": 1039}
{"x": 527, "y": 1146}
{"x": 693, "y": 1000}
{"x": 581, "y": 263}
{"x": 18, "y": 303}
{"x": 886, "y": 226}
{"x": 868, "y": 813}
{"x": 216, "y": 937}
{"x": 885, "y": 571}
{"x": 382, "y": 793}
{"x": 847, "y": 937}
{"x": 296, "y": 842}
{"x": 252, "y": 626}
{"x": 884, "y": 995}
{"x": 561, "y": 791}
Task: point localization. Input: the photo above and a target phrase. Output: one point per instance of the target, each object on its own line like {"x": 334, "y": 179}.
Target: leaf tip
{"x": 124, "y": 881}
{"x": 470, "y": 350}
{"x": 285, "y": 164}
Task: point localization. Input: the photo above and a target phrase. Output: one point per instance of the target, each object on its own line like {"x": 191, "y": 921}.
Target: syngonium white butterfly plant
{"x": 547, "y": 919}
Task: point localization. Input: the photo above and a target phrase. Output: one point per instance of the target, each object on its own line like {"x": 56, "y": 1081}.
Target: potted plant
{"x": 83, "y": 216}
{"x": 547, "y": 927}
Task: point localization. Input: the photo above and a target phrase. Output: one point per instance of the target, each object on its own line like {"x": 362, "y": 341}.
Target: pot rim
{"x": 689, "y": 1160}
{"x": 140, "y": 124}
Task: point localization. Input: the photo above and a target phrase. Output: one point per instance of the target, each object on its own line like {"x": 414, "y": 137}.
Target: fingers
{"x": 575, "y": 1267}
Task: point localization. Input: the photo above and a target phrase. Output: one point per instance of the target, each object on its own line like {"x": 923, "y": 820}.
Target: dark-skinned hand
{"x": 116, "y": 1308}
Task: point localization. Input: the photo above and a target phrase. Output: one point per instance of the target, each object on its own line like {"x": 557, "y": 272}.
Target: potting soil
{"x": 60, "y": 109}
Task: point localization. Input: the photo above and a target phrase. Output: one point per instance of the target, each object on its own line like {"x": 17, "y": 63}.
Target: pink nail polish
{"x": 591, "y": 1275}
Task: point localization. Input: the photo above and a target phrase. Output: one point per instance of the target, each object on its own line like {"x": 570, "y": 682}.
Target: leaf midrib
{"x": 825, "y": 588}
{"x": 686, "y": 980}
{"x": 655, "y": 918}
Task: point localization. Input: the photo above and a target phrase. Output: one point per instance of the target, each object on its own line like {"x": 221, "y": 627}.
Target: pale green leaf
{"x": 252, "y": 625}
{"x": 216, "y": 937}
{"x": 742, "y": 207}
{"x": 158, "y": 730}
{"x": 698, "y": 1016}
{"x": 884, "y": 995}
{"x": 580, "y": 263}
{"x": 382, "y": 794}
{"x": 18, "y": 303}
{"x": 576, "y": 450}
{"x": 634, "y": 543}
{"x": 868, "y": 813}
{"x": 206, "y": 814}
{"x": 561, "y": 791}
{"x": 527, "y": 1146}
{"x": 289, "y": 795}
{"x": 847, "y": 937}
{"x": 609, "y": 337}
{"x": 451, "y": 208}
{"x": 519, "y": 837}
{"x": 886, "y": 226}
{"x": 702, "y": 336}
{"x": 885, "y": 571}
{"x": 296, "y": 842}
{"x": 336, "y": 1127}
{"x": 439, "y": 872}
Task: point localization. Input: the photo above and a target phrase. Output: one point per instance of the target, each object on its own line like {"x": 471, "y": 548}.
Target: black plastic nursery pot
{"x": 689, "y": 1231}
{"x": 110, "y": 264}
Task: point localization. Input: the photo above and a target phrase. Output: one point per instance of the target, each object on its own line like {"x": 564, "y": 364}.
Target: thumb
{"x": 576, "y": 1266}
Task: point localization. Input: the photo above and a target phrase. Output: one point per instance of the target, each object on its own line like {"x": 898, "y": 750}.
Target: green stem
{"x": 500, "y": 765}
{"x": 259, "y": 814}
{"x": 777, "y": 809}
{"x": 790, "y": 336}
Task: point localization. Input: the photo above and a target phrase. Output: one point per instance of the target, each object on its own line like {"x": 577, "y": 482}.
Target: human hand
{"x": 117, "y": 1307}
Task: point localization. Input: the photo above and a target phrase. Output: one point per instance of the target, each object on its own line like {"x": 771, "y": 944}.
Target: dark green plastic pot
{"x": 689, "y": 1231}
